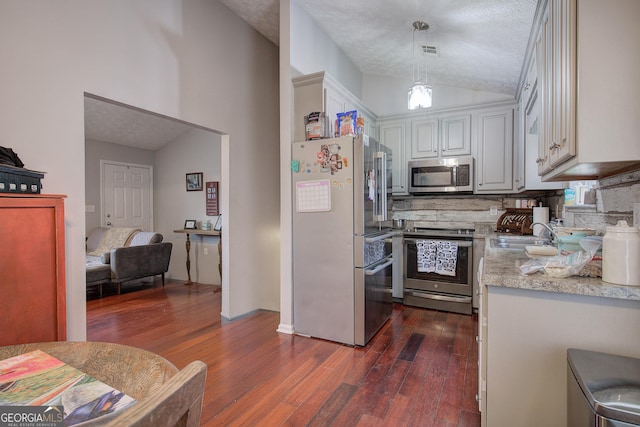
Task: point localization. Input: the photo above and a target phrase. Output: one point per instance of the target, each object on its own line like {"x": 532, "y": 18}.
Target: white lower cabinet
{"x": 494, "y": 151}
{"x": 525, "y": 348}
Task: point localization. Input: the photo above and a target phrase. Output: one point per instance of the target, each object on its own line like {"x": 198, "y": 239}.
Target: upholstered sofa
{"x": 117, "y": 255}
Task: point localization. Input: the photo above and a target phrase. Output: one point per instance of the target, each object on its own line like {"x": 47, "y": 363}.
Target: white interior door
{"x": 127, "y": 191}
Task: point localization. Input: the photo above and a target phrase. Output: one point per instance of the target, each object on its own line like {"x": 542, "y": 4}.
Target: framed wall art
{"x": 194, "y": 181}
{"x": 212, "y": 198}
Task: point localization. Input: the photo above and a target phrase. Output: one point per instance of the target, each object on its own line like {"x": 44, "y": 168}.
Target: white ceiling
{"x": 481, "y": 43}
{"x": 107, "y": 121}
{"x": 481, "y": 46}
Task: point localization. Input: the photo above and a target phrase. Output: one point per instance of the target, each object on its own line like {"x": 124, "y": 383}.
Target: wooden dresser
{"x": 32, "y": 268}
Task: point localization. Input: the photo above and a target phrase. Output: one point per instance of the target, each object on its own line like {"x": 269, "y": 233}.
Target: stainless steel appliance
{"x": 446, "y": 175}
{"x": 342, "y": 263}
{"x": 603, "y": 389}
{"x": 430, "y": 289}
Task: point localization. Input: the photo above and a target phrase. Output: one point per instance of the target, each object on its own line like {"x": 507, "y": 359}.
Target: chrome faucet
{"x": 552, "y": 234}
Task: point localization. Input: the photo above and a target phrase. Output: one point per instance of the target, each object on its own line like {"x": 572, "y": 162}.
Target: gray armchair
{"x": 143, "y": 254}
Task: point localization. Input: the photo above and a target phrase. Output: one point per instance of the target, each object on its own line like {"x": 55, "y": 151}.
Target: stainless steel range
{"x": 438, "y": 269}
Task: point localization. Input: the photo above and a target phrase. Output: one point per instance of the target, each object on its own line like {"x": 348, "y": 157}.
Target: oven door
{"x": 459, "y": 284}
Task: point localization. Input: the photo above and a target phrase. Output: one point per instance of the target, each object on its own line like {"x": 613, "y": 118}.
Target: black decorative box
{"x": 20, "y": 180}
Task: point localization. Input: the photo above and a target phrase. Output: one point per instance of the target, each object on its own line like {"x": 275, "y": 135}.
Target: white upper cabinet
{"x": 590, "y": 130}
{"x": 494, "y": 151}
{"x": 393, "y": 135}
{"x": 321, "y": 92}
{"x": 556, "y": 48}
{"x": 424, "y": 138}
{"x": 526, "y": 129}
{"x": 519, "y": 157}
{"x": 443, "y": 135}
{"x": 455, "y": 134}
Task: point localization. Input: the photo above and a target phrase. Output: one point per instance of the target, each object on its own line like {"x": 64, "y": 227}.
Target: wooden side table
{"x": 188, "y": 248}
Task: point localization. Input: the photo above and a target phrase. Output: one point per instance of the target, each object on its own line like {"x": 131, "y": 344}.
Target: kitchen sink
{"x": 517, "y": 242}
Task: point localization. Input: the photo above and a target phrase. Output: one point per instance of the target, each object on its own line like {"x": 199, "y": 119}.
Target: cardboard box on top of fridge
{"x": 315, "y": 126}
{"x": 347, "y": 123}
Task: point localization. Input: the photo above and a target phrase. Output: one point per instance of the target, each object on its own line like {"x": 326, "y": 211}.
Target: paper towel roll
{"x": 540, "y": 214}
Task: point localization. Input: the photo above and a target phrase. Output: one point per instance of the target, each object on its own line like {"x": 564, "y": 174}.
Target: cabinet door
{"x": 564, "y": 146}
{"x": 370, "y": 127}
{"x": 334, "y": 103}
{"x": 519, "y": 143}
{"x": 32, "y": 268}
{"x": 545, "y": 68}
{"x": 532, "y": 76}
{"x": 532, "y": 180}
{"x": 456, "y": 135}
{"x": 393, "y": 136}
{"x": 494, "y": 168}
{"x": 424, "y": 138}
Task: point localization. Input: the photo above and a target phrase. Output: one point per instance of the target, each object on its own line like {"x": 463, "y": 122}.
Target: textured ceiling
{"x": 481, "y": 43}
{"x": 124, "y": 125}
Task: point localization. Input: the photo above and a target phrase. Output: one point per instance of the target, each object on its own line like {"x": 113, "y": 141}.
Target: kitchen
{"x": 622, "y": 189}
{"x": 616, "y": 196}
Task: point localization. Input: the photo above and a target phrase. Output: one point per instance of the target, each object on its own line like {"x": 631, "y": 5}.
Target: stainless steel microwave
{"x": 447, "y": 175}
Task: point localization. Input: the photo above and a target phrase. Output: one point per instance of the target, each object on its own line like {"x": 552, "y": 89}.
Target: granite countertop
{"x": 501, "y": 268}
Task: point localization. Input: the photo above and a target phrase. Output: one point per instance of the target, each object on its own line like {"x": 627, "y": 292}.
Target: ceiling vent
{"x": 429, "y": 50}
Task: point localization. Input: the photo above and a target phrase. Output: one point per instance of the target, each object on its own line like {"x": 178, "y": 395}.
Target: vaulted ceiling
{"x": 481, "y": 45}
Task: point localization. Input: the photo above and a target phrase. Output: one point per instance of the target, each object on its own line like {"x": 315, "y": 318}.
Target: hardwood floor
{"x": 419, "y": 370}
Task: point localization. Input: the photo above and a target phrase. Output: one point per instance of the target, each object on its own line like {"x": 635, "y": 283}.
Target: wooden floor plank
{"x": 419, "y": 370}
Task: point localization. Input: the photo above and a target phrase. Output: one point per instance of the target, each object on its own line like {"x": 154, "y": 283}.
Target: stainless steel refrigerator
{"x": 342, "y": 260}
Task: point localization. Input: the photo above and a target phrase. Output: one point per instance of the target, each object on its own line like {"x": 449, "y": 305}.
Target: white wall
{"x": 387, "y": 96}
{"x": 312, "y": 50}
{"x": 96, "y": 151}
{"x": 193, "y": 60}
{"x": 197, "y": 151}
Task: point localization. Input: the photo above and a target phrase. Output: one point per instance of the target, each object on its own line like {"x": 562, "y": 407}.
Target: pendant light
{"x": 420, "y": 94}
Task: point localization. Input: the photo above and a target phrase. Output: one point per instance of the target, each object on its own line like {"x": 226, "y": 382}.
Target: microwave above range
{"x": 446, "y": 175}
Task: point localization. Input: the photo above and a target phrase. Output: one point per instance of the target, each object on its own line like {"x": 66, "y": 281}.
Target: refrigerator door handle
{"x": 379, "y": 268}
{"x": 380, "y": 178}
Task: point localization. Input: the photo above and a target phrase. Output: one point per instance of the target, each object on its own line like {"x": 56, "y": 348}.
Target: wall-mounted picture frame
{"x": 212, "y": 197}
{"x": 190, "y": 224}
{"x": 218, "y": 226}
{"x": 194, "y": 181}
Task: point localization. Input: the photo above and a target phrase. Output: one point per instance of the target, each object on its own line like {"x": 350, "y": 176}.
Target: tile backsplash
{"x": 617, "y": 198}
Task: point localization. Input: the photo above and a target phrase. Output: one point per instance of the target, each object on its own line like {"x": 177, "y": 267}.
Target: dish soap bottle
{"x": 621, "y": 255}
